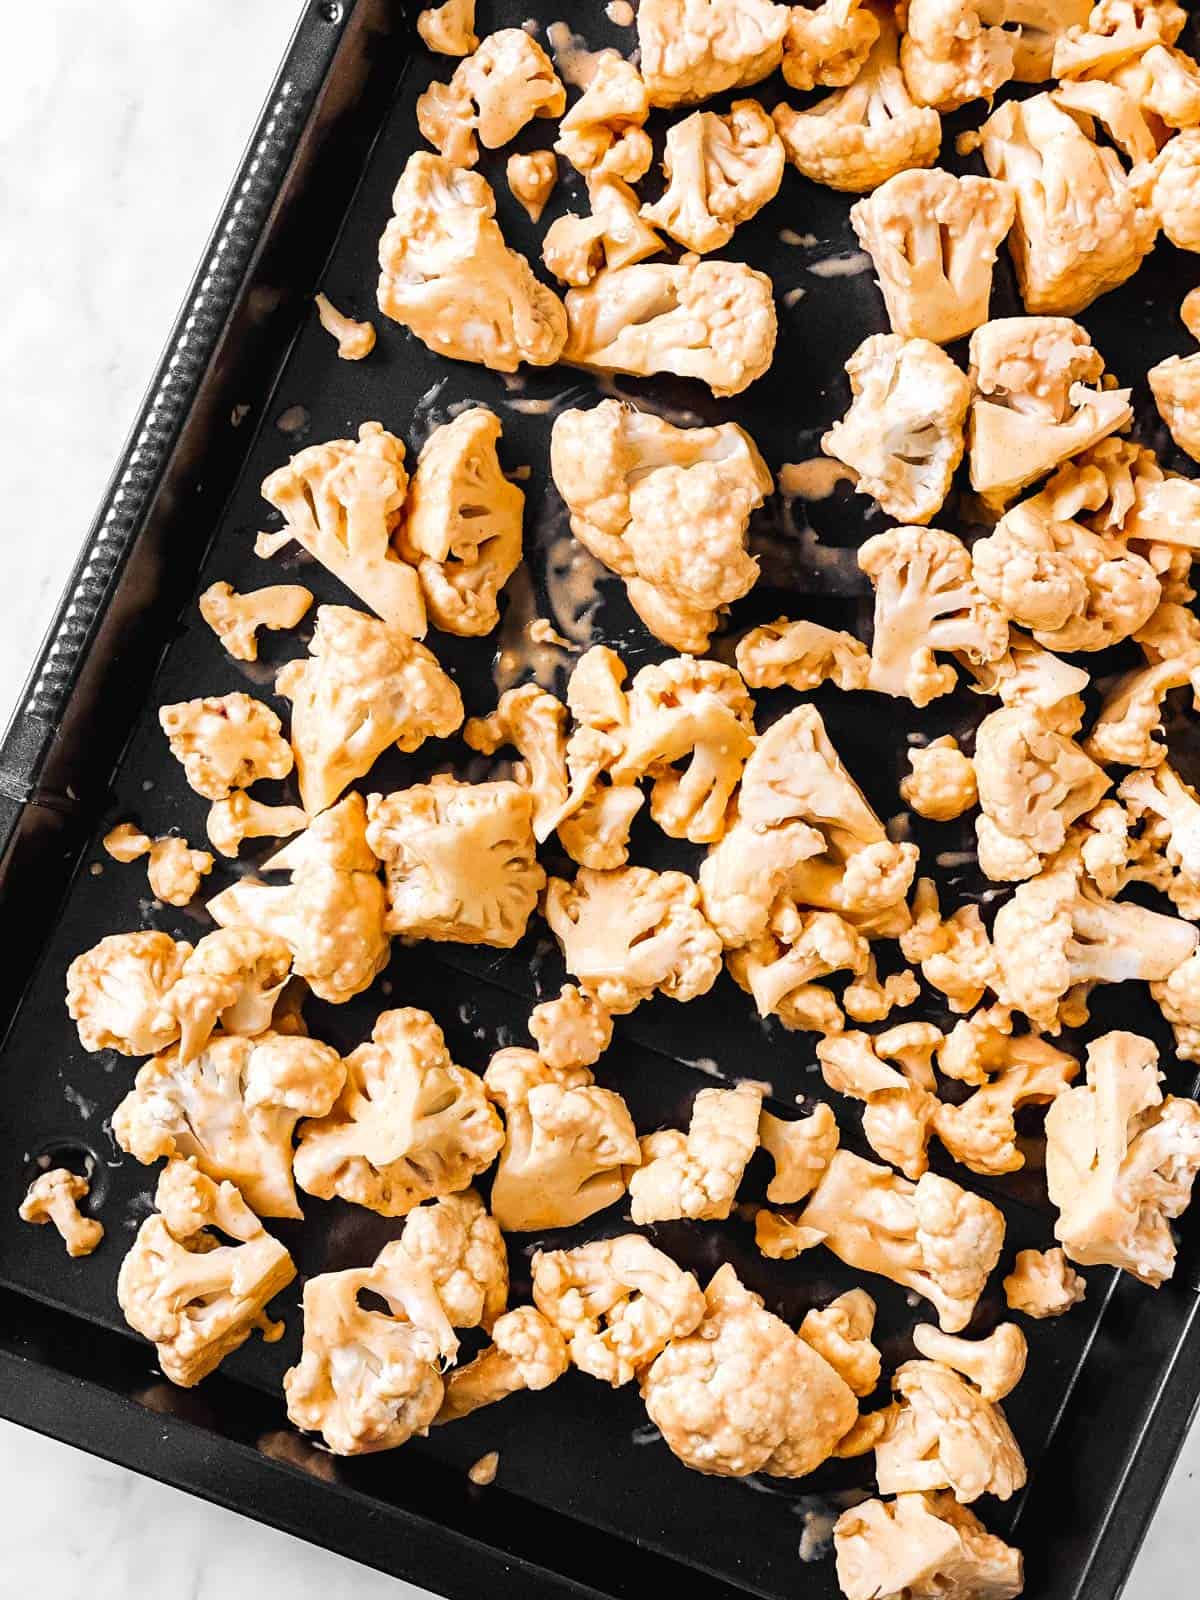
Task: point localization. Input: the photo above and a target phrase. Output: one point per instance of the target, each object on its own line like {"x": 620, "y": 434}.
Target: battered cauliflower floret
{"x": 225, "y": 742}
{"x": 860, "y": 136}
{"x": 712, "y": 320}
{"x": 867, "y": 998}
{"x": 116, "y": 990}
{"x": 626, "y": 476}
{"x": 1034, "y": 28}
{"x": 1115, "y": 32}
{"x": 343, "y": 501}
{"x": 1057, "y": 937}
{"x": 195, "y": 1298}
{"x": 332, "y": 914}
{"x": 1039, "y": 399}
{"x": 55, "y": 1197}
{"x": 953, "y": 952}
{"x": 1171, "y": 184}
{"x": 949, "y": 57}
{"x": 409, "y": 1125}
{"x": 1043, "y": 1284}
{"x": 617, "y": 1302}
{"x": 459, "y": 860}
{"x": 801, "y": 1150}
{"x": 828, "y": 44}
{"x": 994, "y": 1365}
{"x": 779, "y": 968}
{"x": 532, "y": 179}
{"x": 1178, "y": 998}
{"x": 461, "y": 1247}
{"x": 801, "y": 655}
{"x": 232, "y": 979}
{"x": 369, "y": 1379}
{"x": 174, "y": 869}
{"x": 532, "y": 722}
{"x": 903, "y": 433}
{"x": 509, "y": 79}
{"x": 1033, "y": 783}
{"x": 1080, "y": 229}
{"x": 1073, "y": 587}
{"x": 941, "y": 784}
{"x": 1028, "y": 677}
{"x": 527, "y": 1352}
{"x": 449, "y": 29}
{"x": 615, "y": 235}
{"x": 720, "y": 171}
{"x": 926, "y": 599}
{"x": 604, "y": 131}
{"x": 566, "y": 1143}
{"x": 571, "y": 1031}
{"x": 1121, "y": 1159}
{"x": 982, "y": 1131}
{"x": 933, "y": 240}
{"x": 841, "y": 1333}
{"x": 900, "y": 1101}
{"x": 447, "y": 273}
{"x": 1165, "y": 83}
{"x": 692, "y": 49}
{"x": 922, "y": 1547}
{"x": 932, "y": 1236}
{"x": 364, "y": 688}
{"x": 1175, "y": 385}
{"x": 355, "y": 340}
{"x": 1171, "y": 810}
{"x": 696, "y": 1175}
{"x": 780, "y": 1239}
{"x": 238, "y": 817}
{"x": 594, "y": 829}
{"x": 743, "y": 1394}
{"x": 1131, "y": 713}
{"x": 233, "y": 1108}
{"x": 236, "y": 618}
{"x": 943, "y": 1434}
{"x": 463, "y": 529}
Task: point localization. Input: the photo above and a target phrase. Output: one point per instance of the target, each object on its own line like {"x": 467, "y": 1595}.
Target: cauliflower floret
{"x": 867, "y": 999}
{"x": 922, "y": 1547}
{"x": 982, "y": 1132}
{"x": 234, "y": 1108}
{"x": 572, "y": 1031}
{"x": 1173, "y": 810}
{"x": 368, "y": 1379}
{"x": 780, "y": 1239}
{"x": 743, "y": 1394}
{"x": 712, "y": 320}
{"x": 1165, "y": 84}
{"x": 858, "y": 137}
{"x": 225, "y": 742}
{"x": 1116, "y": 31}
{"x": 829, "y": 44}
{"x": 691, "y": 49}
{"x": 841, "y": 1333}
{"x": 532, "y": 722}
{"x": 933, "y": 239}
{"x": 594, "y": 828}
{"x": 233, "y": 978}
{"x": 995, "y": 1365}
{"x": 604, "y": 132}
{"x": 510, "y": 79}
{"x": 1043, "y": 1284}
{"x": 238, "y": 817}
{"x": 1028, "y": 677}
{"x": 1034, "y": 28}
{"x": 236, "y": 618}
{"x": 461, "y": 1247}
{"x": 576, "y": 248}
{"x": 901, "y": 1101}
{"x": 1132, "y": 711}
{"x": 1178, "y": 997}
{"x": 943, "y": 1434}
{"x": 801, "y": 1150}
{"x": 447, "y": 274}
{"x": 1171, "y": 184}
{"x": 355, "y": 341}
{"x": 332, "y": 914}
{"x": 1080, "y": 230}
{"x": 1073, "y": 587}
{"x": 627, "y": 475}
{"x": 697, "y": 1174}
{"x": 779, "y": 967}
{"x": 193, "y": 1297}
{"x": 463, "y": 529}
{"x": 932, "y": 1236}
{"x": 903, "y": 433}
{"x": 116, "y": 990}
{"x": 532, "y": 179}
{"x": 628, "y": 934}
{"x": 1057, "y": 934}
{"x": 926, "y": 599}
{"x": 1175, "y": 385}
{"x": 1033, "y": 783}
{"x": 343, "y": 501}
{"x": 408, "y": 1125}
{"x": 1039, "y": 399}
{"x": 1120, "y": 1161}
{"x": 527, "y": 1352}
{"x": 721, "y": 171}
{"x": 565, "y": 1145}
{"x": 954, "y": 952}
{"x": 950, "y": 57}
{"x": 174, "y": 869}
{"x": 449, "y": 29}
{"x": 364, "y": 688}
{"x": 55, "y": 1197}
{"x": 801, "y": 655}
{"x": 941, "y": 784}
{"x": 617, "y": 1302}
{"x": 459, "y": 860}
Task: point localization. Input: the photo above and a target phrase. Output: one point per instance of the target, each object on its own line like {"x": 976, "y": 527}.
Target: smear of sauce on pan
{"x": 802, "y": 241}
{"x": 573, "y": 587}
{"x": 295, "y": 420}
{"x": 793, "y": 297}
{"x": 843, "y": 266}
{"x": 814, "y": 479}
{"x": 575, "y": 62}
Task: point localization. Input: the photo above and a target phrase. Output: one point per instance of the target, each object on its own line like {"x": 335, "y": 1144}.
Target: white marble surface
{"x": 119, "y": 127}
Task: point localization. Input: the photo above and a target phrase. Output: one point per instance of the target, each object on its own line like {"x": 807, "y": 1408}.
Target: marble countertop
{"x": 117, "y": 139}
